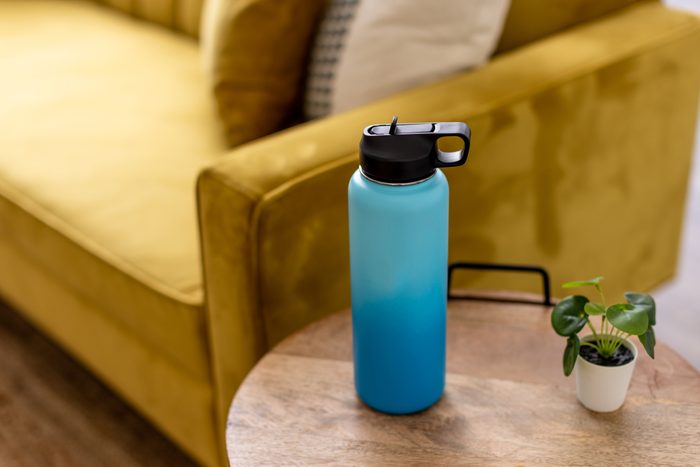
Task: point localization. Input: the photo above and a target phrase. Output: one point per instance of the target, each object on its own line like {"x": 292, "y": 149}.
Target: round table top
{"x": 506, "y": 401}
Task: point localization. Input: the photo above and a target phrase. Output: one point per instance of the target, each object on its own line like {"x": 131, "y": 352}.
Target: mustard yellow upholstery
{"x": 99, "y": 154}
{"x": 529, "y": 20}
{"x": 113, "y": 169}
{"x": 178, "y": 15}
{"x": 255, "y": 55}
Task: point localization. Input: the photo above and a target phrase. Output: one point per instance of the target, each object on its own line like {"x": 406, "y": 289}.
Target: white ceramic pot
{"x": 603, "y": 388}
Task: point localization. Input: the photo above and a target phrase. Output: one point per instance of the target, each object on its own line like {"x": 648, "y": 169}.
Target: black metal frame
{"x": 546, "y": 294}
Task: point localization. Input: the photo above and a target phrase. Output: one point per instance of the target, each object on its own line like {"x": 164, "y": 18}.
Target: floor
{"x": 54, "y": 413}
{"x": 677, "y": 303}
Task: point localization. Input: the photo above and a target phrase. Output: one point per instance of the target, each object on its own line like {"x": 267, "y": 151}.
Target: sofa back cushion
{"x": 529, "y": 20}
{"x": 178, "y": 15}
{"x": 255, "y": 55}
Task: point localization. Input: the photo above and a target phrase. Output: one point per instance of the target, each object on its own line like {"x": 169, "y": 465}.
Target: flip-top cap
{"x": 408, "y": 152}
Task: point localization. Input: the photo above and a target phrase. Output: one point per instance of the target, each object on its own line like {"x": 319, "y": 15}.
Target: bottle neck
{"x": 399, "y": 183}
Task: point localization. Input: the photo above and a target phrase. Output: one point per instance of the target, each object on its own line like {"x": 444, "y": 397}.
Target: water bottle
{"x": 398, "y": 204}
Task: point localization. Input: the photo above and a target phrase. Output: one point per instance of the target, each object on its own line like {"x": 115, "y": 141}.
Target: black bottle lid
{"x": 408, "y": 152}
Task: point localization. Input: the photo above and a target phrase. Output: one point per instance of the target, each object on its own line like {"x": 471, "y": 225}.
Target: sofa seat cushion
{"x": 105, "y": 123}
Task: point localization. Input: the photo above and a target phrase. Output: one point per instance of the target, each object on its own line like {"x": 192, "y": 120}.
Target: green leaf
{"x": 568, "y": 316}
{"x": 592, "y": 282}
{"x": 594, "y": 309}
{"x": 648, "y": 340}
{"x": 631, "y": 319}
{"x": 644, "y": 300}
{"x": 573, "y": 345}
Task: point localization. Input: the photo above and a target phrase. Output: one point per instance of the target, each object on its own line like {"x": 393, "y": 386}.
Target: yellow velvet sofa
{"x": 168, "y": 263}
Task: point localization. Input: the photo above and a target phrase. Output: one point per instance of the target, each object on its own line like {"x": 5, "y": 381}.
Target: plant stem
{"x": 620, "y": 337}
{"x": 615, "y": 342}
{"x": 604, "y": 327}
{"x": 602, "y": 297}
{"x": 591, "y": 345}
{"x": 598, "y": 337}
{"x": 595, "y": 334}
{"x": 606, "y": 334}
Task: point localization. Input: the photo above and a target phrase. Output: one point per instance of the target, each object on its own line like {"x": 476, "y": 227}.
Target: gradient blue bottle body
{"x": 398, "y": 258}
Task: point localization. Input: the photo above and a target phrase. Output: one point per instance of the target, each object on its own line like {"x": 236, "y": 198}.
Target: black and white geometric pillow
{"x": 325, "y": 57}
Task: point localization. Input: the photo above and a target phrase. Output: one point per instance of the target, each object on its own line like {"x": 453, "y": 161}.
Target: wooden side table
{"x": 506, "y": 402}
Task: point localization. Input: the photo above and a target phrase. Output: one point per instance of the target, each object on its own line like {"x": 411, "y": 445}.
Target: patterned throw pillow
{"x": 369, "y": 49}
{"x": 325, "y": 57}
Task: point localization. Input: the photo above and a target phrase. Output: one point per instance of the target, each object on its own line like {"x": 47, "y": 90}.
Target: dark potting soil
{"x": 621, "y": 356}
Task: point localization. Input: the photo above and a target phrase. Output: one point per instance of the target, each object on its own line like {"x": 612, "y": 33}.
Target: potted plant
{"x": 605, "y": 359}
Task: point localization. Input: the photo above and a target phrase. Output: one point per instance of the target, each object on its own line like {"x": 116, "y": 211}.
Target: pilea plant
{"x": 617, "y": 322}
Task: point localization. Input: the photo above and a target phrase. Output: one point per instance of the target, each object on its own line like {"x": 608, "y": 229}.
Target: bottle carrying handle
{"x": 409, "y": 152}
{"x": 452, "y": 158}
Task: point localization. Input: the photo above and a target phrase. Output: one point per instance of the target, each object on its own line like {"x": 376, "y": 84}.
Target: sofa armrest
{"x": 581, "y": 145}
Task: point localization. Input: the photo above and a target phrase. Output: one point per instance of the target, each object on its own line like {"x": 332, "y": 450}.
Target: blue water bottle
{"x": 398, "y": 207}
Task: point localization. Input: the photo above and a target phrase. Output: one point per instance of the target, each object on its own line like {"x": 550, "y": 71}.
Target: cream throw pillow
{"x": 393, "y": 45}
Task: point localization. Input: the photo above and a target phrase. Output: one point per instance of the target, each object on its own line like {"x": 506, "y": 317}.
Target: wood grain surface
{"x": 54, "y": 413}
{"x": 506, "y": 403}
